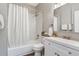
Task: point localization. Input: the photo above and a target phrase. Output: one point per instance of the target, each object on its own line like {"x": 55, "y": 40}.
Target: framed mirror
{"x": 68, "y": 17}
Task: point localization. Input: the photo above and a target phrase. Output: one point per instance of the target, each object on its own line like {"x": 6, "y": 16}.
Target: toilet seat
{"x": 37, "y": 48}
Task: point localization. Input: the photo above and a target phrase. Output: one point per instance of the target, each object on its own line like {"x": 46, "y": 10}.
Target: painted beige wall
{"x": 47, "y": 12}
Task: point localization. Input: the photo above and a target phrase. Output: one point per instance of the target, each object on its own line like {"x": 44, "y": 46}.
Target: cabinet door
{"x": 48, "y": 49}
{"x": 52, "y": 50}
{"x": 57, "y": 50}
{"x": 58, "y": 53}
{"x": 67, "y": 51}
{"x": 71, "y": 52}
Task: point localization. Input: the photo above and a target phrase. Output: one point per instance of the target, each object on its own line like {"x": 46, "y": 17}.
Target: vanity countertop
{"x": 71, "y": 43}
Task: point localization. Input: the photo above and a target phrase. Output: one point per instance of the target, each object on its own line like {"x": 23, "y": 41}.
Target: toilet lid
{"x": 38, "y": 45}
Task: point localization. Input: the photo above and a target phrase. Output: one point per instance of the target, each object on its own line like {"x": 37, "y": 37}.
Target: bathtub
{"x": 23, "y": 50}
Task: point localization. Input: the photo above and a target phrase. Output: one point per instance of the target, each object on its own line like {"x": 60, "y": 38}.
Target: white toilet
{"x": 37, "y": 48}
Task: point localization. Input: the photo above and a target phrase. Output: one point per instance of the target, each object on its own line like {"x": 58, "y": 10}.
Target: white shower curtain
{"x": 18, "y": 26}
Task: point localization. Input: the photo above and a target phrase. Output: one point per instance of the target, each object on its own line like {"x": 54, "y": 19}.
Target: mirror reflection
{"x": 66, "y": 17}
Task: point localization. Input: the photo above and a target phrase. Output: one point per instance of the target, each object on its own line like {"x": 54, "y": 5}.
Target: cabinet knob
{"x": 69, "y": 52}
{"x": 57, "y": 54}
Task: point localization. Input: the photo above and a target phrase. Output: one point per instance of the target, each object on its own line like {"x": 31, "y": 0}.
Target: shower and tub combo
{"x": 31, "y": 47}
{"x": 22, "y": 31}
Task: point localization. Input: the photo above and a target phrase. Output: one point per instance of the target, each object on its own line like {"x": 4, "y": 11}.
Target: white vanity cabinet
{"x": 67, "y": 51}
{"x": 47, "y": 48}
{"x": 53, "y": 48}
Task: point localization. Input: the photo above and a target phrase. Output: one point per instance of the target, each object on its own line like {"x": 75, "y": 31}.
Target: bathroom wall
{"x": 47, "y": 11}
{"x": 72, "y": 35}
{"x": 3, "y": 32}
{"x": 39, "y": 22}
{"x": 66, "y": 13}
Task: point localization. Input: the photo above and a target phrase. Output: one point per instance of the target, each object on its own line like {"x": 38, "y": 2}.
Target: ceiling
{"x": 33, "y": 4}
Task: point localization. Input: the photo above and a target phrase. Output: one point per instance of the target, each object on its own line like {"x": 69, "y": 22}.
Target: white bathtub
{"x": 24, "y": 50}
